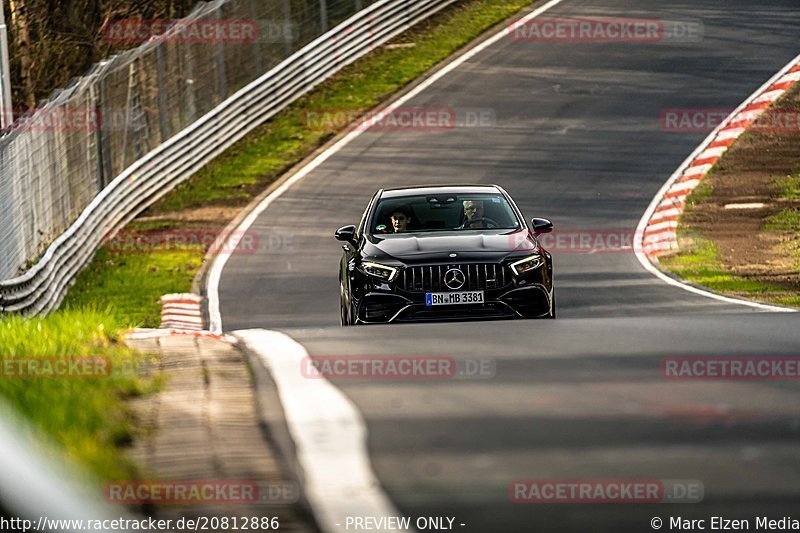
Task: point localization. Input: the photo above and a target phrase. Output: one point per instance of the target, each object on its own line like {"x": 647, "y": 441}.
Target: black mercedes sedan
{"x": 444, "y": 253}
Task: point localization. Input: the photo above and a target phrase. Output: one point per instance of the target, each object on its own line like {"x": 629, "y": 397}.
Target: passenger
{"x": 473, "y": 211}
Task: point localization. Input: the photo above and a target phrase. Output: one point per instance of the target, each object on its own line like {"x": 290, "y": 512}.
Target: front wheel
{"x": 345, "y": 316}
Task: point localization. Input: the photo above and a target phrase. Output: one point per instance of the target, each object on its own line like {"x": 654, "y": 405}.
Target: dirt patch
{"x": 201, "y": 215}
{"x": 749, "y": 173}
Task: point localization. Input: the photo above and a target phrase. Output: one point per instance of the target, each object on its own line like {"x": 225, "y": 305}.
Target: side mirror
{"x": 346, "y": 234}
{"x": 541, "y": 225}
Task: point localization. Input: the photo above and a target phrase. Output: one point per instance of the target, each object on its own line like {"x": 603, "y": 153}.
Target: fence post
{"x": 109, "y": 120}
{"x": 162, "y": 93}
{"x": 257, "y": 41}
{"x": 323, "y": 15}
{"x": 222, "y": 81}
{"x": 191, "y": 106}
{"x": 287, "y": 35}
{"x": 97, "y": 135}
{"x": 6, "y": 106}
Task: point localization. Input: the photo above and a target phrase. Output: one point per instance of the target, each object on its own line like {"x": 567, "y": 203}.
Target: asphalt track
{"x": 576, "y": 137}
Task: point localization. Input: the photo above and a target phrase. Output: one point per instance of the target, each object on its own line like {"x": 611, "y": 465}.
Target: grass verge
{"x": 701, "y": 264}
{"x": 789, "y": 187}
{"x": 86, "y": 415}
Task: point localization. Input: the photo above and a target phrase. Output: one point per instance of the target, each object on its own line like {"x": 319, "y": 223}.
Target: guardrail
{"x": 43, "y": 286}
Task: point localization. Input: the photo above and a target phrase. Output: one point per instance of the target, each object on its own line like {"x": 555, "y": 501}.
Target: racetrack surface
{"x": 577, "y": 138}
{"x": 576, "y": 399}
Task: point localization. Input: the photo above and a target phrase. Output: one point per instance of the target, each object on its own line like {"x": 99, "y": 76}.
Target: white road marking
{"x": 698, "y": 170}
{"x": 328, "y": 432}
{"x": 754, "y": 205}
{"x": 794, "y": 76}
{"x": 713, "y": 152}
{"x": 687, "y": 185}
{"x": 768, "y": 97}
{"x": 730, "y": 133}
{"x": 666, "y": 214}
{"x": 655, "y": 228}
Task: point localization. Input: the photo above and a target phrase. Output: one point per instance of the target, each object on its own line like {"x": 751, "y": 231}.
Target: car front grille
{"x": 478, "y": 277}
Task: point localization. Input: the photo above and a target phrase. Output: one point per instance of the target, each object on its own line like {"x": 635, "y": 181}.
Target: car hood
{"x": 435, "y": 247}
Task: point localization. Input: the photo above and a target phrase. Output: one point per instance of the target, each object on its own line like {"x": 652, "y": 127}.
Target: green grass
{"x": 86, "y": 416}
{"x": 700, "y": 261}
{"x": 700, "y": 194}
{"x": 789, "y": 187}
{"x": 701, "y": 264}
{"x": 785, "y": 220}
{"x": 131, "y": 283}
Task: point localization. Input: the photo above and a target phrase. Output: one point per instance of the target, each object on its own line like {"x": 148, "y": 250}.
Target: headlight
{"x": 526, "y": 265}
{"x": 378, "y": 270}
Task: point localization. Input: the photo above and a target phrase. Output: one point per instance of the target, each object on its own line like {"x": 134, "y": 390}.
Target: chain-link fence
{"x": 55, "y": 160}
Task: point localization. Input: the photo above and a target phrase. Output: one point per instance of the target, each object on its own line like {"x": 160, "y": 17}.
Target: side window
{"x": 362, "y": 224}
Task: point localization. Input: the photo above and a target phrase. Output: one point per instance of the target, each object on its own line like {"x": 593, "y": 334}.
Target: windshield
{"x": 443, "y": 212}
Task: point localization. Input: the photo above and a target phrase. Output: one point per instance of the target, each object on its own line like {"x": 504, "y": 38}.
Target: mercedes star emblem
{"x": 454, "y": 279}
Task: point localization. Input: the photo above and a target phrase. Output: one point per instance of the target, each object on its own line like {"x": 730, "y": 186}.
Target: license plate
{"x": 453, "y": 298}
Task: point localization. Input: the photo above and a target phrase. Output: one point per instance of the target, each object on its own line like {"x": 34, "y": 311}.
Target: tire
{"x": 344, "y": 316}
{"x": 553, "y": 312}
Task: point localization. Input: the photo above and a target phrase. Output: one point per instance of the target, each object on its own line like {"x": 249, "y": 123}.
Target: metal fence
{"x": 163, "y": 111}
{"x": 57, "y": 159}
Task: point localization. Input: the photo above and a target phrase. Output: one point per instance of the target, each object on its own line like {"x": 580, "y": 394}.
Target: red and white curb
{"x": 181, "y": 314}
{"x": 181, "y": 311}
{"x": 659, "y": 233}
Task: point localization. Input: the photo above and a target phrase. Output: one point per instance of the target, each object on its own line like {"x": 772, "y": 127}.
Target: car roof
{"x": 438, "y": 189}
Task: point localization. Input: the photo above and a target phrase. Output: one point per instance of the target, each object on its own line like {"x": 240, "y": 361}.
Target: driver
{"x": 401, "y": 218}
{"x": 473, "y": 210}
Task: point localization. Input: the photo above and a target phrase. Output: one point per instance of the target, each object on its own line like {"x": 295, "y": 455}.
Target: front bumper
{"x": 532, "y": 300}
